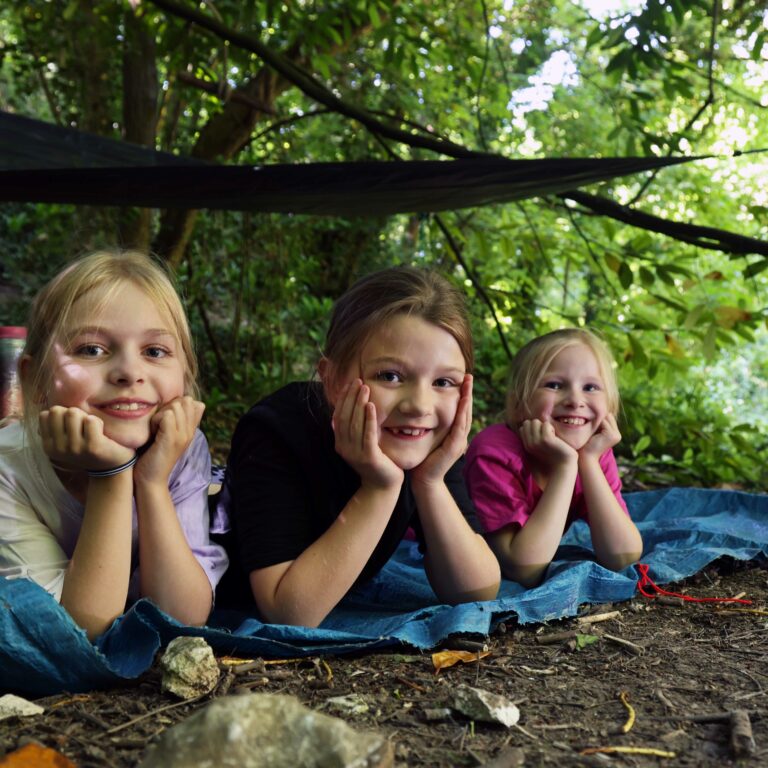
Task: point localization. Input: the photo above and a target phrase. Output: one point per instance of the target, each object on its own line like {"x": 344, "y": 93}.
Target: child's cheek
{"x": 70, "y": 385}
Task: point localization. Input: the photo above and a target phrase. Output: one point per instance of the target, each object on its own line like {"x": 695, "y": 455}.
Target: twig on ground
{"x": 638, "y": 650}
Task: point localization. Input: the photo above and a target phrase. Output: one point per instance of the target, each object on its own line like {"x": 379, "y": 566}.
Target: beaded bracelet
{"x": 114, "y": 470}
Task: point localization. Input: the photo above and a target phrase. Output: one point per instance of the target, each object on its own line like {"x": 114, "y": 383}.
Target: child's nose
{"x": 417, "y": 400}
{"x": 574, "y": 396}
{"x": 126, "y": 369}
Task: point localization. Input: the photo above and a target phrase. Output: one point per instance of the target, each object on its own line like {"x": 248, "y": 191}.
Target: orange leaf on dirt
{"x": 444, "y": 659}
{"x": 35, "y": 756}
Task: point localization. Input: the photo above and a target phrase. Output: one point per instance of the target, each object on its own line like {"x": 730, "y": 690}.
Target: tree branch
{"x": 703, "y": 237}
{"x": 308, "y": 84}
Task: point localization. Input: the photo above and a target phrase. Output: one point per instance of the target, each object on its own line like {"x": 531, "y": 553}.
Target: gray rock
{"x": 265, "y": 730}
{"x": 15, "y": 706}
{"x": 477, "y": 704}
{"x": 189, "y": 668}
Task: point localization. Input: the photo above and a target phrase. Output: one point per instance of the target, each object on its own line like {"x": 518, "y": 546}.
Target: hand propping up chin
{"x": 356, "y": 431}
{"x": 541, "y": 441}
{"x": 605, "y": 437}
{"x": 74, "y": 440}
{"x": 173, "y": 428}
{"x": 436, "y": 465}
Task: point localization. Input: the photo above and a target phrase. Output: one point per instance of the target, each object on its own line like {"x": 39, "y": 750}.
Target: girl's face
{"x": 122, "y": 364}
{"x": 414, "y": 370}
{"x": 571, "y": 396}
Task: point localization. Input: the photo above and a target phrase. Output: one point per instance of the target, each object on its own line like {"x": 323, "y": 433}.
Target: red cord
{"x": 646, "y": 581}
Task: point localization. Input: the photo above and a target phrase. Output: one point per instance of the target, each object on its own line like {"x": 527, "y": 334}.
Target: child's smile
{"x": 120, "y": 362}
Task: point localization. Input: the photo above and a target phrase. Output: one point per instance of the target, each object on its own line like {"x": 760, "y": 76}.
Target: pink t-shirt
{"x": 499, "y": 476}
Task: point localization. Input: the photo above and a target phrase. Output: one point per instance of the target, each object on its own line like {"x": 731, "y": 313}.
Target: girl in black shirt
{"x": 324, "y": 479}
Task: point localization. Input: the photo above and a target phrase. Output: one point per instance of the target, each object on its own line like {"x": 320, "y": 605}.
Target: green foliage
{"x": 528, "y": 79}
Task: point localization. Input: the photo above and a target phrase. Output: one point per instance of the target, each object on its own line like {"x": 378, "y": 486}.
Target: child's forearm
{"x": 304, "y": 591}
{"x": 526, "y": 554}
{"x": 615, "y": 538}
{"x": 459, "y": 563}
{"x": 96, "y": 583}
{"x": 169, "y": 572}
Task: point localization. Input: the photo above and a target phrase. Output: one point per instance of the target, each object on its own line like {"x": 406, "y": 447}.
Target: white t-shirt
{"x": 40, "y": 521}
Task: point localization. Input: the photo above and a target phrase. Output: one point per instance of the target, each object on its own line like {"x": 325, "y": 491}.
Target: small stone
{"x": 477, "y": 704}
{"x": 189, "y": 668}
{"x": 433, "y": 715}
{"x": 353, "y": 704}
{"x": 266, "y": 731}
{"x": 15, "y": 706}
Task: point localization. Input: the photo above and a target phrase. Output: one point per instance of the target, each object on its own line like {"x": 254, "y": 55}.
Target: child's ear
{"x": 325, "y": 371}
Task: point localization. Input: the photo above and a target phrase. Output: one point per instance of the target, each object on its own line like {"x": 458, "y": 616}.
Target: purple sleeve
{"x": 188, "y": 485}
{"x": 611, "y": 472}
{"x": 497, "y": 484}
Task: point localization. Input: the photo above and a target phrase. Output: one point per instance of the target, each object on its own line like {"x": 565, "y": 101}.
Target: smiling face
{"x": 414, "y": 370}
{"x": 571, "y": 395}
{"x": 120, "y": 362}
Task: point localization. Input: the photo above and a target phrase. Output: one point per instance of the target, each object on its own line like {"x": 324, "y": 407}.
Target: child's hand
{"x": 75, "y": 440}
{"x": 172, "y": 427}
{"x": 606, "y": 436}
{"x": 434, "y": 467}
{"x": 357, "y": 438}
{"x": 541, "y": 441}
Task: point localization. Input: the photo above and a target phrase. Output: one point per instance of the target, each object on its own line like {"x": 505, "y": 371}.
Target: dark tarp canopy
{"x": 46, "y": 163}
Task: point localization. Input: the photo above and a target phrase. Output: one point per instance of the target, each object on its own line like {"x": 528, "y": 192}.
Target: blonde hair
{"x": 378, "y": 297}
{"x": 533, "y": 360}
{"x": 105, "y": 271}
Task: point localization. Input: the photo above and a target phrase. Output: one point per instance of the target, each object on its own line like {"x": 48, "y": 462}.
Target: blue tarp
{"x": 43, "y": 652}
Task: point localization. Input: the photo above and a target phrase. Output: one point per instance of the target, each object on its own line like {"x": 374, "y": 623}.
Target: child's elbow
{"x": 618, "y": 561}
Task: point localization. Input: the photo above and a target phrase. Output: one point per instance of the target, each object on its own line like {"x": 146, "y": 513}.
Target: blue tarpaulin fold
{"x": 43, "y": 652}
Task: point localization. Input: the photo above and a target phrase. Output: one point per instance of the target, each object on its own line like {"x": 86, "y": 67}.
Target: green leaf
{"x": 755, "y": 268}
{"x": 646, "y": 277}
{"x": 625, "y": 275}
{"x": 641, "y": 445}
{"x": 582, "y": 640}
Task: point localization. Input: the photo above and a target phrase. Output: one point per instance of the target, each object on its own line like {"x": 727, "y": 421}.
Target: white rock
{"x": 189, "y": 668}
{"x": 477, "y": 704}
{"x": 264, "y": 730}
{"x": 353, "y": 704}
{"x": 15, "y": 706}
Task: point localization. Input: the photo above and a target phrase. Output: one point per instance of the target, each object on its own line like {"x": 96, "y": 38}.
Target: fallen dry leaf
{"x": 35, "y": 756}
{"x": 445, "y": 659}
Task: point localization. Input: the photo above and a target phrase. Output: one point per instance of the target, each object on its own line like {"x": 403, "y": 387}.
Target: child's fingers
{"x": 344, "y": 410}
{"x": 361, "y": 416}
{"x": 370, "y": 433}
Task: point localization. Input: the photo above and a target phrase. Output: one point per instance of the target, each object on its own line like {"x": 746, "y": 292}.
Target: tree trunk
{"x": 140, "y": 94}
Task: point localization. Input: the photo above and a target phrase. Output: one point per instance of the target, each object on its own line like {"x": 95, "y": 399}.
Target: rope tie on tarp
{"x": 645, "y": 583}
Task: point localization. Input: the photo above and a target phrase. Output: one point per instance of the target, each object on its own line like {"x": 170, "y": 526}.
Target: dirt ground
{"x": 683, "y": 669}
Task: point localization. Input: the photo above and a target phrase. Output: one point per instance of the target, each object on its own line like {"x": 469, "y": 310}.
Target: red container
{"x": 12, "y": 340}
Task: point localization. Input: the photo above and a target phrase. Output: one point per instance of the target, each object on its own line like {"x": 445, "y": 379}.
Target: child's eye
{"x": 552, "y": 385}
{"x": 443, "y": 383}
{"x": 591, "y": 387}
{"x": 156, "y": 352}
{"x": 390, "y": 377}
{"x": 90, "y": 350}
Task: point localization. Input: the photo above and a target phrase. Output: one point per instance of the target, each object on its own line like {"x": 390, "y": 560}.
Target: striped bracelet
{"x": 114, "y": 470}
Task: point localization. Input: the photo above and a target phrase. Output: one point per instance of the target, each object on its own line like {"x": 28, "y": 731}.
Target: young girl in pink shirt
{"x": 552, "y": 461}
